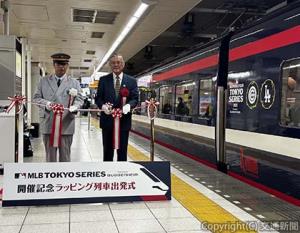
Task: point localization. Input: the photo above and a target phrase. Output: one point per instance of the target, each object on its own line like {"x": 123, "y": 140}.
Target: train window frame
{"x": 186, "y": 82}
{"x": 212, "y": 91}
{"x": 162, "y": 104}
{"x": 283, "y": 92}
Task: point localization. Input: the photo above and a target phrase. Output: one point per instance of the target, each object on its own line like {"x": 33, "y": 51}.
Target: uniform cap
{"x": 61, "y": 57}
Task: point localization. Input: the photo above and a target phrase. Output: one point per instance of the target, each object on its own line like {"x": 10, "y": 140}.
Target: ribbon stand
{"x": 152, "y": 111}
{"x": 17, "y": 102}
{"x": 20, "y": 131}
{"x": 152, "y": 140}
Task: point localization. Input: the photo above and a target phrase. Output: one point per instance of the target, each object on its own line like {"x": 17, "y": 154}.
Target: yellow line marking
{"x": 213, "y": 216}
{"x": 204, "y": 209}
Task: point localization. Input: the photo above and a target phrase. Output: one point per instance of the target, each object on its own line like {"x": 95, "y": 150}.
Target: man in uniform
{"x": 109, "y": 93}
{"x": 57, "y": 89}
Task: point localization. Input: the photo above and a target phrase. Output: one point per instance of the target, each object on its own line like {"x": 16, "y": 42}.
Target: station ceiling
{"x": 86, "y": 29}
{"x": 208, "y": 20}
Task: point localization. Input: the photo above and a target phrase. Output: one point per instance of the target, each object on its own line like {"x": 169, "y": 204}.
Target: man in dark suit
{"x": 108, "y": 94}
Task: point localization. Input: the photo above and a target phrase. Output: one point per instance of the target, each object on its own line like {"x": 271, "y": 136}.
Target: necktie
{"x": 117, "y": 86}
{"x": 58, "y": 82}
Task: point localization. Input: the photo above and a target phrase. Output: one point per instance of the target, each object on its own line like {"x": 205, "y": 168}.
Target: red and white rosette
{"x": 124, "y": 93}
{"x": 55, "y": 137}
{"x": 152, "y": 108}
{"x": 72, "y": 95}
{"x": 16, "y": 101}
{"x": 116, "y": 114}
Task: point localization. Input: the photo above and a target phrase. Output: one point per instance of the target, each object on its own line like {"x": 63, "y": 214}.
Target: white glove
{"x": 126, "y": 108}
{"x": 73, "y": 92}
{"x": 73, "y": 108}
{"x": 48, "y": 106}
{"x": 106, "y": 108}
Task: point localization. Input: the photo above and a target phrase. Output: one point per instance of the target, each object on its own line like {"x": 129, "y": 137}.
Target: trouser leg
{"x": 65, "y": 148}
{"x": 51, "y": 152}
{"x": 122, "y": 152}
{"x": 108, "y": 151}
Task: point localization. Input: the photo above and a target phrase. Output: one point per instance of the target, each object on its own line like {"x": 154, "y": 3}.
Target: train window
{"x": 290, "y": 101}
{"x": 184, "y": 98}
{"x": 206, "y": 97}
{"x": 165, "y": 99}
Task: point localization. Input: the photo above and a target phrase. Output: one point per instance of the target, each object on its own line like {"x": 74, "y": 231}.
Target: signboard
{"x": 144, "y": 81}
{"x": 69, "y": 183}
{"x": 98, "y": 75}
{"x": 236, "y": 97}
{"x": 86, "y": 80}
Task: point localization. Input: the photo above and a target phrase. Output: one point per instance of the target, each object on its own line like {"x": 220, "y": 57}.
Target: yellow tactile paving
{"x": 204, "y": 209}
{"x": 136, "y": 154}
{"x": 213, "y": 216}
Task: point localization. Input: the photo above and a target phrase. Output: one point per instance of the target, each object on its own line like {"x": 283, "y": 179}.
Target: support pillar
{"x": 6, "y": 8}
{"x": 28, "y": 50}
{"x": 35, "y": 78}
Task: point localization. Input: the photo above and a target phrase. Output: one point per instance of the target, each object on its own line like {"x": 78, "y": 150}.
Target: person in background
{"x": 293, "y": 101}
{"x": 56, "y": 89}
{"x": 167, "y": 108}
{"x": 86, "y": 105}
{"x": 181, "y": 107}
{"x": 108, "y": 97}
{"x": 189, "y": 105}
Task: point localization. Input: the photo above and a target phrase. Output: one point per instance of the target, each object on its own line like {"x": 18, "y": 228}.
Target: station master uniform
{"x": 55, "y": 89}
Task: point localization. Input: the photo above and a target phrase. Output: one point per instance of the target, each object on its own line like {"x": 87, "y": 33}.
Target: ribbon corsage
{"x": 72, "y": 95}
{"x": 116, "y": 114}
{"x": 55, "y": 137}
{"x": 152, "y": 108}
{"x": 16, "y": 101}
{"x": 124, "y": 93}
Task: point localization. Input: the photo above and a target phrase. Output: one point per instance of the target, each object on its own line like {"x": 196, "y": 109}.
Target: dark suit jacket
{"x": 106, "y": 94}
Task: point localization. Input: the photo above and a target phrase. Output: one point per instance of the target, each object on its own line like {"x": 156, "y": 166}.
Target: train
{"x": 262, "y": 102}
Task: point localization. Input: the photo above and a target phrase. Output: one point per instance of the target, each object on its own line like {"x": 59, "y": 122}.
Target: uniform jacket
{"x": 48, "y": 90}
{"x": 106, "y": 94}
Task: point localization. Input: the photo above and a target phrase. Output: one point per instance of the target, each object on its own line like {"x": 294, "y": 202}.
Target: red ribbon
{"x": 55, "y": 137}
{"x": 116, "y": 114}
{"x": 152, "y": 108}
{"x": 16, "y": 101}
{"x": 124, "y": 93}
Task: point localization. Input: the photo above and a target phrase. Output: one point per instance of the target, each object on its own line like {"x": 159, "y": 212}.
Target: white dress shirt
{"x": 61, "y": 78}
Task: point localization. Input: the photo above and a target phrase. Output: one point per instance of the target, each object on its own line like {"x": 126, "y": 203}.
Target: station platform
{"x": 203, "y": 199}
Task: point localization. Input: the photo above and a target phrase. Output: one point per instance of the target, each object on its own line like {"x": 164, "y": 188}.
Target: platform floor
{"x": 203, "y": 200}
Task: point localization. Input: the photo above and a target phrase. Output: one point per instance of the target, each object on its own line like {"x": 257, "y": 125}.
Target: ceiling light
{"x": 140, "y": 11}
{"x": 90, "y": 52}
{"x": 133, "y": 20}
{"x": 97, "y": 34}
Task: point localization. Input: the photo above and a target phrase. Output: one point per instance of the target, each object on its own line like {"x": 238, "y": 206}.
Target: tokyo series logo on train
{"x": 253, "y": 95}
